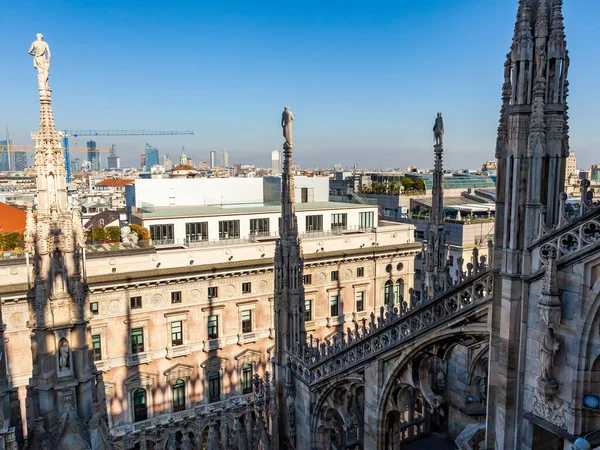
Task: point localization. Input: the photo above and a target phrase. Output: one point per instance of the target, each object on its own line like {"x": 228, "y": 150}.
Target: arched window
{"x": 399, "y": 292}
{"x": 179, "y": 395}
{"x": 387, "y": 291}
{"x": 214, "y": 387}
{"x": 140, "y": 408}
{"x": 247, "y": 379}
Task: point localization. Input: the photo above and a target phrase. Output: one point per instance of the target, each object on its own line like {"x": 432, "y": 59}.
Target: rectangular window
{"x": 213, "y": 327}
{"x": 307, "y": 310}
{"x": 137, "y": 340}
{"x": 335, "y": 275}
{"x": 246, "y": 288}
{"x": 335, "y": 306}
{"x": 307, "y": 195}
{"x": 177, "y": 333}
{"x": 360, "y": 272}
{"x": 247, "y": 379}
{"x": 176, "y": 297}
{"x": 94, "y": 308}
{"x": 213, "y": 292}
{"x": 214, "y": 387}
{"x": 360, "y": 301}
{"x": 307, "y": 279}
{"x": 246, "y": 321}
{"x": 161, "y": 234}
{"x": 314, "y": 223}
{"x": 366, "y": 220}
{"x": 229, "y": 229}
{"x": 419, "y": 234}
{"x": 259, "y": 227}
{"x": 339, "y": 221}
{"x": 136, "y": 302}
{"x": 196, "y": 232}
{"x": 96, "y": 347}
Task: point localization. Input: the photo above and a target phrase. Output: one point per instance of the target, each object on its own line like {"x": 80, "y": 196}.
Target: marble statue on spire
{"x": 286, "y": 122}
{"x": 41, "y": 60}
{"x": 438, "y": 129}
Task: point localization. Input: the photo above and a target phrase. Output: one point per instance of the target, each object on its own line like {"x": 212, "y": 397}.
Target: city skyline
{"x": 363, "y": 82}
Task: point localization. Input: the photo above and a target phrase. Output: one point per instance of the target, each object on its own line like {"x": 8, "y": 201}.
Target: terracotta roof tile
{"x": 115, "y": 183}
{"x": 11, "y": 219}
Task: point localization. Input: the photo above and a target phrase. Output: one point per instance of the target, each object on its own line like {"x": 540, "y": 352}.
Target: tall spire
{"x": 290, "y": 331}
{"x": 62, "y": 381}
{"x": 435, "y": 256}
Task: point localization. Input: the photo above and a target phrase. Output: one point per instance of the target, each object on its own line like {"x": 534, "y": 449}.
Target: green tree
{"x": 143, "y": 233}
{"x": 9, "y": 241}
{"x": 419, "y": 184}
{"x": 113, "y": 233}
{"x": 408, "y": 184}
{"x": 96, "y": 234}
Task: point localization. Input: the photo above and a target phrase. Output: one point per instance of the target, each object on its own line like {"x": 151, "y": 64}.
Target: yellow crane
{"x": 12, "y": 148}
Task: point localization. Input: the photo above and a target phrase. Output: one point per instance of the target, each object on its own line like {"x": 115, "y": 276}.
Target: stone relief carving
{"x": 553, "y": 412}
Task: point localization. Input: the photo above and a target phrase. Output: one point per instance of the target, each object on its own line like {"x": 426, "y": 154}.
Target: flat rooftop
{"x": 173, "y": 212}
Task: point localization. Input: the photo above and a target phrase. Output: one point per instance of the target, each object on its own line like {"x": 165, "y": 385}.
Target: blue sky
{"x": 364, "y": 79}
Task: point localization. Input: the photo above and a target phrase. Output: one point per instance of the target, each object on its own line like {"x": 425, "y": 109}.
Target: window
{"x": 399, "y": 292}
{"x": 246, "y": 288}
{"x": 247, "y": 379}
{"x": 229, "y": 229}
{"x": 335, "y": 307}
{"x": 178, "y": 395}
{"x": 335, "y": 275}
{"x": 307, "y": 310}
{"x": 387, "y": 292}
{"x": 96, "y": 347}
{"x": 136, "y": 302}
{"x": 307, "y": 279}
{"x": 162, "y": 234}
{"x": 360, "y": 272}
{"x": 214, "y": 387}
{"x": 140, "y": 409}
{"x": 360, "y": 301}
{"x": 213, "y": 327}
{"x": 176, "y": 297}
{"x": 307, "y": 195}
{"x": 176, "y": 333}
{"x": 419, "y": 234}
{"x": 94, "y": 308}
{"x": 259, "y": 227}
{"x": 137, "y": 340}
{"x": 213, "y": 292}
{"x": 196, "y": 232}
{"x": 314, "y": 223}
{"x": 246, "y": 321}
{"x": 339, "y": 221}
{"x": 366, "y": 220}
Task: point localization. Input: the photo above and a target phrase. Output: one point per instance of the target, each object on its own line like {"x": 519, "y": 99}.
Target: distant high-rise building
{"x": 151, "y": 157}
{"x": 275, "y": 162}
{"x": 571, "y": 166}
{"x": 143, "y": 160}
{"x": 213, "y": 157}
{"x": 75, "y": 165}
{"x": 20, "y": 161}
{"x": 113, "y": 162}
{"x": 595, "y": 172}
{"x": 93, "y": 156}
{"x": 167, "y": 163}
{"x": 6, "y": 156}
{"x": 190, "y": 162}
{"x": 224, "y": 159}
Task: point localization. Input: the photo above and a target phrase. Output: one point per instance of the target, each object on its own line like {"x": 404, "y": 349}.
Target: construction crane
{"x": 64, "y": 134}
{"x": 12, "y": 148}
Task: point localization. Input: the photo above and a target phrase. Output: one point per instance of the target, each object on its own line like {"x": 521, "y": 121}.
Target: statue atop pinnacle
{"x": 286, "y": 122}
{"x": 41, "y": 60}
{"x": 438, "y": 129}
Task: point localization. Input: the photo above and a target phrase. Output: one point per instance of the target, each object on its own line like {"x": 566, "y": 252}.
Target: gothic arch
{"x": 408, "y": 355}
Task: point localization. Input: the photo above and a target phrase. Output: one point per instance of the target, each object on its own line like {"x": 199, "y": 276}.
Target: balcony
{"x": 103, "y": 365}
{"x": 336, "y": 320}
{"x": 213, "y": 344}
{"x": 247, "y": 338}
{"x": 138, "y": 358}
{"x": 178, "y": 350}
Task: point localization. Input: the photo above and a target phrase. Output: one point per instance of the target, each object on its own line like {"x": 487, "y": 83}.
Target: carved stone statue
{"x": 125, "y": 231}
{"x": 133, "y": 238}
{"x": 438, "y": 129}
{"x": 63, "y": 358}
{"x": 41, "y": 60}
{"x": 549, "y": 348}
{"x": 286, "y": 122}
